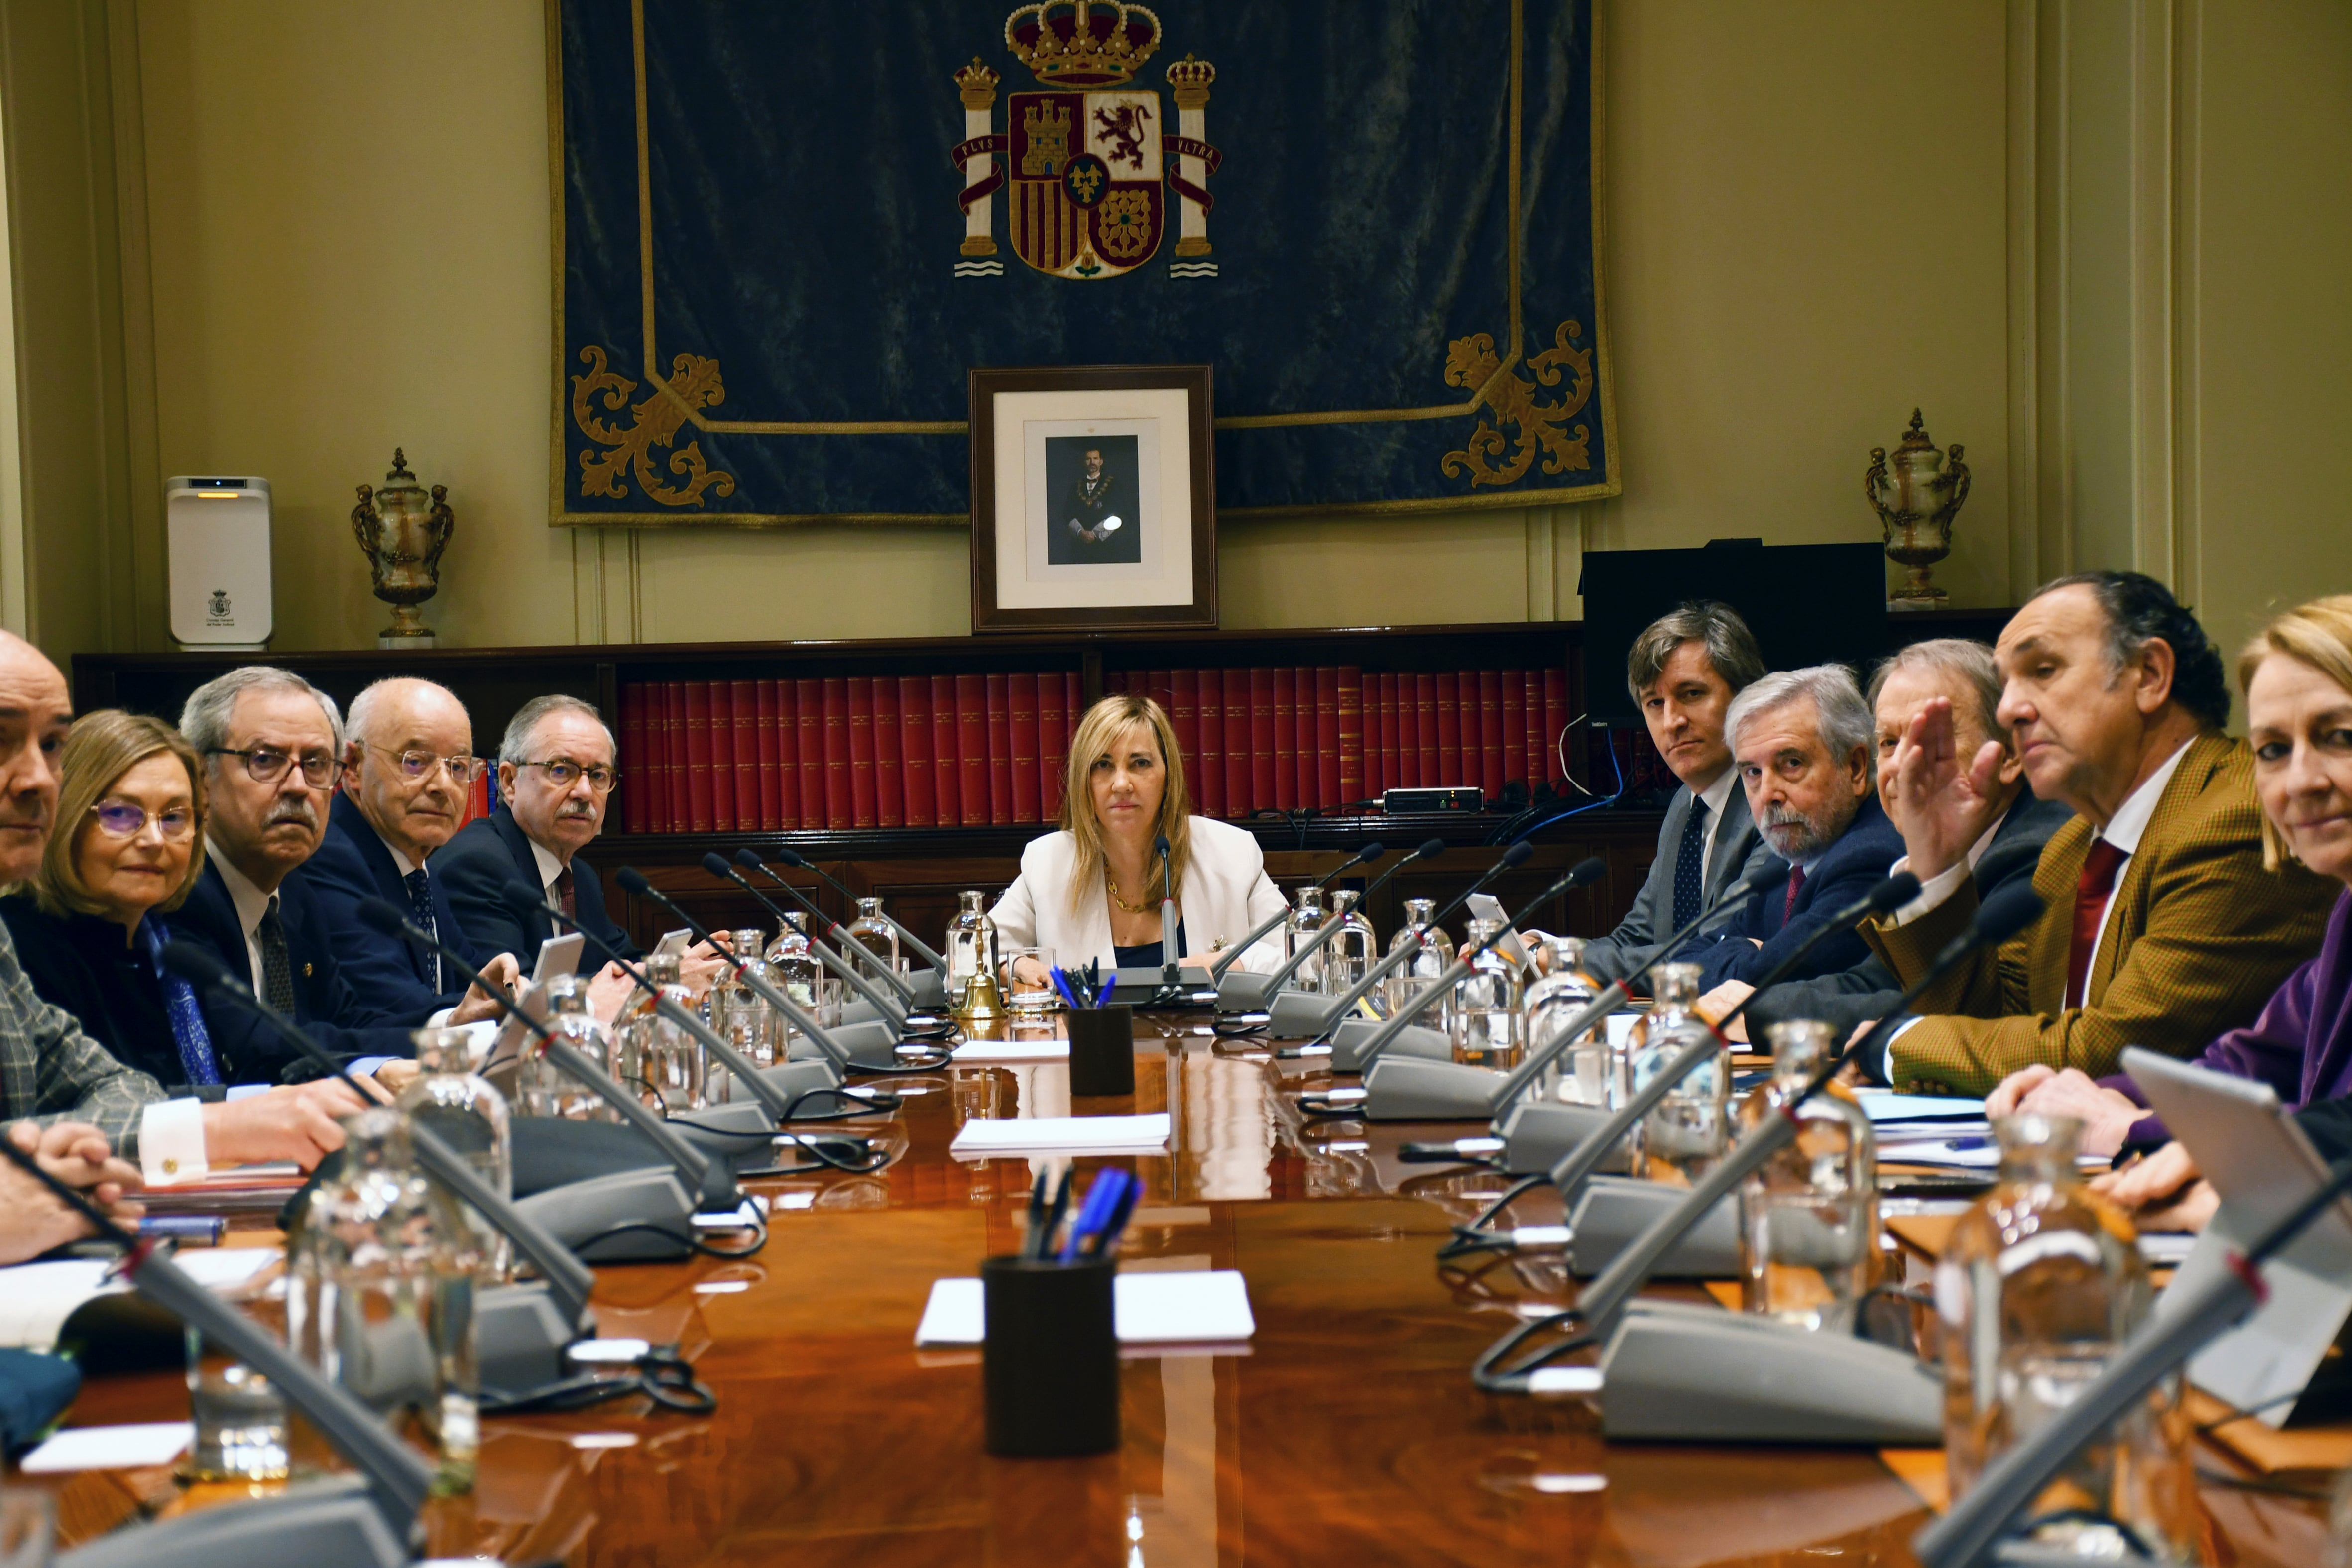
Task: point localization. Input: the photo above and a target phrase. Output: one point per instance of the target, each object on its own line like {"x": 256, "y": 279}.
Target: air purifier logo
{"x": 216, "y": 609}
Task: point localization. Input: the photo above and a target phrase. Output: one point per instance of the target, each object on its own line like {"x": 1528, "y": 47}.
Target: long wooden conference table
{"x": 1345, "y": 1431}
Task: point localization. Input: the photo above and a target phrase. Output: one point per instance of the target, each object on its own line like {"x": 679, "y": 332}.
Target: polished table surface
{"x": 1346, "y": 1431}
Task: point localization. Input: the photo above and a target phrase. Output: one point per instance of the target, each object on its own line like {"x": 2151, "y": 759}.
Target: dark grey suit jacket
{"x": 1865, "y": 993}
{"x": 1737, "y": 849}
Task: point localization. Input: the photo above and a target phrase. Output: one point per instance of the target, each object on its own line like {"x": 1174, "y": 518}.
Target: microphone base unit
{"x": 520, "y": 1335}
{"x": 873, "y": 1044}
{"x": 1349, "y": 1040}
{"x": 331, "y": 1524}
{"x": 1615, "y": 1212}
{"x": 1679, "y": 1371}
{"x": 1239, "y": 991}
{"x": 1291, "y": 1014}
{"x": 1539, "y": 1134}
{"x": 1407, "y": 1089}
{"x": 930, "y": 990}
{"x": 580, "y": 1214}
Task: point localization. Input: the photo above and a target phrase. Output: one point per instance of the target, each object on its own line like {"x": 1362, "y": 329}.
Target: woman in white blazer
{"x": 1092, "y": 890}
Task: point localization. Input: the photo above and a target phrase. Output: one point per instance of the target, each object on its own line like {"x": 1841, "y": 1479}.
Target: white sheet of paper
{"x": 1885, "y": 1105}
{"x": 137, "y": 1446}
{"x": 986, "y": 1051}
{"x": 35, "y": 1299}
{"x": 1063, "y": 1136}
{"x": 1974, "y": 1154}
{"x": 1209, "y": 1305}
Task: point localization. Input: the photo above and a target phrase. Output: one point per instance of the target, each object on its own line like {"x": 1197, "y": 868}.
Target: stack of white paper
{"x": 35, "y": 1299}
{"x": 1198, "y": 1308}
{"x": 1063, "y": 1135}
{"x": 977, "y": 1051}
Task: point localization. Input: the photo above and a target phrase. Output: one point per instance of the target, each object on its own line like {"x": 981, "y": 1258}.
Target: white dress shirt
{"x": 251, "y": 903}
{"x": 1717, "y": 795}
{"x": 171, "y": 1132}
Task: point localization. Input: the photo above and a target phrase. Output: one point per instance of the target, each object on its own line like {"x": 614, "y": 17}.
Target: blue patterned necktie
{"x": 1690, "y": 865}
{"x": 420, "y": 901}
{"x": 188, "y": 1032}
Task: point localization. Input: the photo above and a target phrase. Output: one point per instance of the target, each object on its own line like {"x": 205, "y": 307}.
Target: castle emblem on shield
{"x": 1091, "y": 166}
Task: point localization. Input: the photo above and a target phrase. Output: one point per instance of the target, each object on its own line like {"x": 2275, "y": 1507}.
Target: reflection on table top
{"x": 1346, "y": 1431}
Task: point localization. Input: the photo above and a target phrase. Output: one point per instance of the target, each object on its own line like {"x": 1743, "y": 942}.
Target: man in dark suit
{"x": 1963, "y": 673}
{"x": 1801, "y": 740}
{"x": 272, "y": 744}
{"x": 555, "y": 779}
{"x": 408, "y": 764}
{"x": 1684, "y": 670}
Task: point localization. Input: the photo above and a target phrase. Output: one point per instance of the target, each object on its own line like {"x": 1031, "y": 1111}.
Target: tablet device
{"x": 673, "y": 943}
{"x": 557, "y": 955}
{"x": 1486, "y": 906}
{"x": 2261, "y": 1166}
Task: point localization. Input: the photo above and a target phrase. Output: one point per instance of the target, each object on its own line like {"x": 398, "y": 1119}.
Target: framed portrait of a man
{"x": 1093, "y": 498}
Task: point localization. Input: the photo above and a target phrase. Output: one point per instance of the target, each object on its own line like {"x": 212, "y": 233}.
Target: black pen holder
{"x": 1050, "y": 1358}
{"x": 1102, "y": 1050}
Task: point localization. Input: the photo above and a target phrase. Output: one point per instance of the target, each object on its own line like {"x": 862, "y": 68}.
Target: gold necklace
{"x": 1143, "y": 908}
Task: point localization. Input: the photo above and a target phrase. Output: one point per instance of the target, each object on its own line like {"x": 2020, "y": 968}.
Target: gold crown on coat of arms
{"x": 1082, "y": 43}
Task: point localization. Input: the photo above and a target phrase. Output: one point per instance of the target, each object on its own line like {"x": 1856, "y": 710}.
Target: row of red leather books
{"x": 855, "y": 751}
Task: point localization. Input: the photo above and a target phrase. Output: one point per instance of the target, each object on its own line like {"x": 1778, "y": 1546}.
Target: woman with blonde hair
{"x": 1091, "y": 892}
{"x": 89, "y": 927}
{"x": 2298, "y": 677}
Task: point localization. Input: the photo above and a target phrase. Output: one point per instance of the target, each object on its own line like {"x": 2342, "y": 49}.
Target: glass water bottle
{"x": 1587, "y": 1072}
{"x": 878, "y": 936}
{"x": 1483, "y": 1016}
{"x": 970, "y": 945}
{"x": 462, "y": 1109}
{"x": 664, "y": 1064}
{"x": 1349, "y": 955}
{"x": 2039, "y": 1284}
{"x": 1809, "y": 1217}
{"x": 380, "y": 1292}
{"x": 546, "y": 1089}
{"x": 1688, "y": 1130}
{"x": 1307, "y": 917}
{"x": 743, "y": 1017}
{"x": 1415, "y": 975}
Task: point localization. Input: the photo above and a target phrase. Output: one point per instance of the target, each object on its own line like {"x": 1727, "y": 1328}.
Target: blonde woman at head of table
{"x": 1094, "y": 888}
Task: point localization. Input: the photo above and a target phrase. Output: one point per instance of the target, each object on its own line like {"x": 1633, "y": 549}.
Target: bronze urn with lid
{"x": 403, "y": 532}
{"x": 1916, "y": 493}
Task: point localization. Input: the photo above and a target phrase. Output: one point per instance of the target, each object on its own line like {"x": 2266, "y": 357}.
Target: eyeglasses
{"x": 266, "y": 766}
{"x": 127, "y": 820}
{"x": 563, "y": 772}
{"x": 414, "y": 765}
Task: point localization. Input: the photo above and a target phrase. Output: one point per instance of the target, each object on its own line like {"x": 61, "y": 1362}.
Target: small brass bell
{"x": 983, "y": 1000}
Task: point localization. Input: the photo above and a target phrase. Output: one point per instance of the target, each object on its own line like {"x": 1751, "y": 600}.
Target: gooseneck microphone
{"x": 398, "y": 1478}
{"x": 2191, "y": 1316}
{"x": 1290, "y": 1010}
{"x": 1568, "y": 1172}
{"x": 1169, "y": 975}
{"x": 719, "y": 866}
{"x": 633, "y": 882}
{"x": 774, "y": 1089}
{"x": 519, "y": 1347}
{"x": 1602, "y": 1302}
{"x": 1364, "y": 856}
{"x": 798, "y": 862}
{"x": 1517, "y": 855}
{"x": 693, "y": 1168}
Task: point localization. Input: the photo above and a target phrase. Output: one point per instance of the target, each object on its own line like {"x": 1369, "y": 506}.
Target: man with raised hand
{"x": 2161, "y": 928}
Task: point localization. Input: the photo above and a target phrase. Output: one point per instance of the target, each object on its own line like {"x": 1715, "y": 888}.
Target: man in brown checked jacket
{"x": 2160, "y": 926}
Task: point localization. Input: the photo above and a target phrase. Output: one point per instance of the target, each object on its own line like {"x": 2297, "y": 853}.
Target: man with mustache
{"x": 53, "y": 1074}
{"x": 1684, "y": 670}
{"x": 555, "y": 779}
{"x": 408, "y": 765}
{"x": 272, "y": 745}
{"x": 1801, "y": 740}
{"x": 2160, "y": 926}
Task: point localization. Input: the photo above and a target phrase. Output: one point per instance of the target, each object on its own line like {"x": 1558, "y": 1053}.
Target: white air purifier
{"x": 218, "y": 529}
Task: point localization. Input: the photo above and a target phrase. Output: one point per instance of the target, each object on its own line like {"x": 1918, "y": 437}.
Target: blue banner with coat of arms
{"x": 784, "y": 232}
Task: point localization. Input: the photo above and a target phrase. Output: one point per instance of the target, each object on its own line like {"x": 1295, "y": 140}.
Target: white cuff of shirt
{"x": 171, "y": 1143}
{"x": 439, "y": 1020}
{"x": 1887, "y": 1068}
{"x": 1932, "y": 892}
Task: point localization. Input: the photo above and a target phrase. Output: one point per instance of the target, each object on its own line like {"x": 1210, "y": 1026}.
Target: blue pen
{"x": 1062, "y": 984}
{"x": 1107, "y": 986}
{"x": 1116, "y": 1225}
{"x": 1102, "y": 1197}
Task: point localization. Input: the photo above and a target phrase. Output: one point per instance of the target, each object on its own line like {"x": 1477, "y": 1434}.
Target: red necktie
{"x": 563, "y": 896}
{"x": 1796, "y": 881}
{"x": 2091, "y": 892}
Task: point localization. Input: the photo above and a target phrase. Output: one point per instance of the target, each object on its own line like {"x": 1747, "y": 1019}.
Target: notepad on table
{"x": 140, "y": 1446}
{"x": 981, "y": 1051}
{"x": 1063, "y": 1136}
{"x": 1885, "y": 1105}
{"x": 1199, "y": 1307}
{"x": 35, "y": 1299}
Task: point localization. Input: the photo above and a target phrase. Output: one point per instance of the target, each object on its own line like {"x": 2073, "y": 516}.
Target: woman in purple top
{"x": 2298, "y": 677}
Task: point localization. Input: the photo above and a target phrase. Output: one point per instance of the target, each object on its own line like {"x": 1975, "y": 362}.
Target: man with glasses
{"x": 555, "y": 779}
{"x": 408, "y": 765}
{"x": 272, "y": 745}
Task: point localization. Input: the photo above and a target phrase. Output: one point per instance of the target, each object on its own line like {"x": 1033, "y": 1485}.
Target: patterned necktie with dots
{"x": 1690, "y": 866}
{"x": 276, "y": 967}
{"x": 420, "y": 903}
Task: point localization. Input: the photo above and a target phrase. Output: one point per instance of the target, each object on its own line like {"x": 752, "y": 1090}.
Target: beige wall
{"x": 1820, "y": 216}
